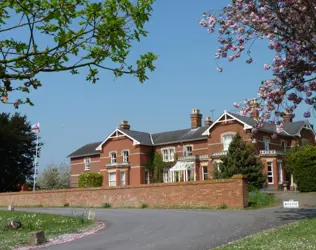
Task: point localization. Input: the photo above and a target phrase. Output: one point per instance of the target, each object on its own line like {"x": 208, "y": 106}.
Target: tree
{"x": 68, "y": 35}
{"x": 241, "y": 159}
{"x": 301, "y": 162}
{"x": 288, "y": 26}
{"x": 17, "y": 151}
{"x": 55, "y": 177}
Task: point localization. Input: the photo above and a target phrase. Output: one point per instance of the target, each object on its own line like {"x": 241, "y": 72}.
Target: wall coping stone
{"x": 206, "y": 182}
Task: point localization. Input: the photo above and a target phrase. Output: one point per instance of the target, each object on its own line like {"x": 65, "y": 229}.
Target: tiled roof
{"x": 290, "y": 129}
{"x": 142, "y": 137}
{"x": 185, "y": 135}
{"x": 147, "y": 139}
{"x": 179, "y": 136}
{"x": 86, "y": 150}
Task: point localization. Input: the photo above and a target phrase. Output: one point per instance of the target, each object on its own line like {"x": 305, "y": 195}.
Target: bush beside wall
{"x": 87, "y": 180}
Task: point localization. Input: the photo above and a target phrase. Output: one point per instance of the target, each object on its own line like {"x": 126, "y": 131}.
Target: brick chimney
{"x": 196, "y": 118}
{"x": 254, "y": 108}
{"x": 208, "y": 122}
{"x": 287, "y": 116}
{"x": 125, "y": 125}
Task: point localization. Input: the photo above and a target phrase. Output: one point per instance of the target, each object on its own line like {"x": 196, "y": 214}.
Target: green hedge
{"x": 87, "y": 180}
{"x": 301, "y": 162}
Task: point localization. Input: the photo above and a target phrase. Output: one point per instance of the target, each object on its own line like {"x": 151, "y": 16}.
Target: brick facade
{"x": 212, "y": 193}
{"x": 206, "y": 151}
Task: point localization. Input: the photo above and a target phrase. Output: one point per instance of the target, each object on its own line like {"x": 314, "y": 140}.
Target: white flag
{"x": 36, "y": 127}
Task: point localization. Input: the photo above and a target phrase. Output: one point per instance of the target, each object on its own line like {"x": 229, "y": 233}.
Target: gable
{"x": 227, "y": 118}
{"x": 116, "y": 134}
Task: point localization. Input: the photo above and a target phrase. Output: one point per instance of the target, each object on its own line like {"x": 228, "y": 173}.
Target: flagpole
{"x": 35, "y": 161}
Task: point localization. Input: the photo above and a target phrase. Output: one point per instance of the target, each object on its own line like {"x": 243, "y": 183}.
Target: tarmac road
{"x": 140, "y": 229}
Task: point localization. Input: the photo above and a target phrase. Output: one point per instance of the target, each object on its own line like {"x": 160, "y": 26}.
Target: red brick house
{"x": 193, "y": 153}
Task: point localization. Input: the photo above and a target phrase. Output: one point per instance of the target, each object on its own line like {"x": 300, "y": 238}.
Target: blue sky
{"x": 73, "y": 112}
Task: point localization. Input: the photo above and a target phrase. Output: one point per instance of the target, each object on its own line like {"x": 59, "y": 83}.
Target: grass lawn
{"x": 298, "y": 235}
{"x": 52, "y": 225}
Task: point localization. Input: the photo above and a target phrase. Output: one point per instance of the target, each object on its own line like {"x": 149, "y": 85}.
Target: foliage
{"x": 260, "y": 199}
{"x": 301, "y": 162}
{"x": 55, "y": 177}
{"x": 289, "y": 29}
{"x": 223, "y": 206}
{"x": 157, "y": 166}
{"x": 68, "y": 36}
{"x": 17, "y": 151}
{"x": 106, "y": 205}
{"x": 53, "y": 225}
{"x": 298, "y": 235}
{"x": 241, "y": 159}
{"x": 87, "y": 180}
{"x": 144, "y": 205}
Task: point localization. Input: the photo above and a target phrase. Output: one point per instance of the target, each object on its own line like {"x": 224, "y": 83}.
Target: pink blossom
{"x": 307, "y": 114}
{"x": 236, "y": 104}
{"x": 294, "y": 63}
{"x": 267, "y": 66}
{"x": 219, "y": 69}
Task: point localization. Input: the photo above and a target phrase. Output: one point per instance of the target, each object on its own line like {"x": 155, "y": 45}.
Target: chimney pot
{"x": 208, "y": 121}
{"x": 254, "y": 108}
{"x": 287, "y": 116}
{"x": 125, "y": 125}
{"x": 196, "y": 118}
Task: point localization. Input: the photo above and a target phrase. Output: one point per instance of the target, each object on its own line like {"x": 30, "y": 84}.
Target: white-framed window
{"x": 188, "y": 150}
{"x": 123, "y": 178}
{"x": 280, "y": 172}
{"x": 87, "y": 162}
{"x": 168, "y": 154}
{"x": 147, "y": 177}
{"x": 125, "y": 154}
{"x": 266, "y": 142}
{"x": 204, "y": 173}
{"x": 284, "y": 145}
{"x": 113, "y": 157}
{"x": 227, "y": 139}
{"x": 270, "y": 172}
{"x": 112, "y": 179}
{"x": 217, "y": 164}
{"x": 165, "y": 175}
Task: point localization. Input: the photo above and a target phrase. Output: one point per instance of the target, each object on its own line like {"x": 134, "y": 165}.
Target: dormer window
{"x": 188, "y": 151}
{"x": 266, "y": 143}
{"x": 113, "y": 157}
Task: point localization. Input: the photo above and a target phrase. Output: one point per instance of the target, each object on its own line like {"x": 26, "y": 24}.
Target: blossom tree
{"x": 289, "y": 27}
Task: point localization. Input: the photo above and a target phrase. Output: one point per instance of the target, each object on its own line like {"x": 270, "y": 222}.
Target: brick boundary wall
{"x": 212, "y": 193}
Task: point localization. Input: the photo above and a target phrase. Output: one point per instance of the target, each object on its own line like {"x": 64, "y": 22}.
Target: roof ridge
{"x": 179, "y": 130}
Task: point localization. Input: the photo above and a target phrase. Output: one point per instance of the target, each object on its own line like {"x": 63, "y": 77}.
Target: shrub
{"x": 87, "y": 180}
{"x": 260, "y": 199}
{"x": 106, "y": 205}
{"x": 66, "y": 204}
{"x": 144, "y": 205}
{"x": 241, "y": 159}
{"x": 223, "y": 206}
{"x": 301, "y": 162}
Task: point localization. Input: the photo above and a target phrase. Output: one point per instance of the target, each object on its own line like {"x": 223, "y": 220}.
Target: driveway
{"x": 140, "y": 229}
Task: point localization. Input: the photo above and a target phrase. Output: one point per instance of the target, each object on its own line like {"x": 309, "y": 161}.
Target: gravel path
{"x": 140, "y": 229}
